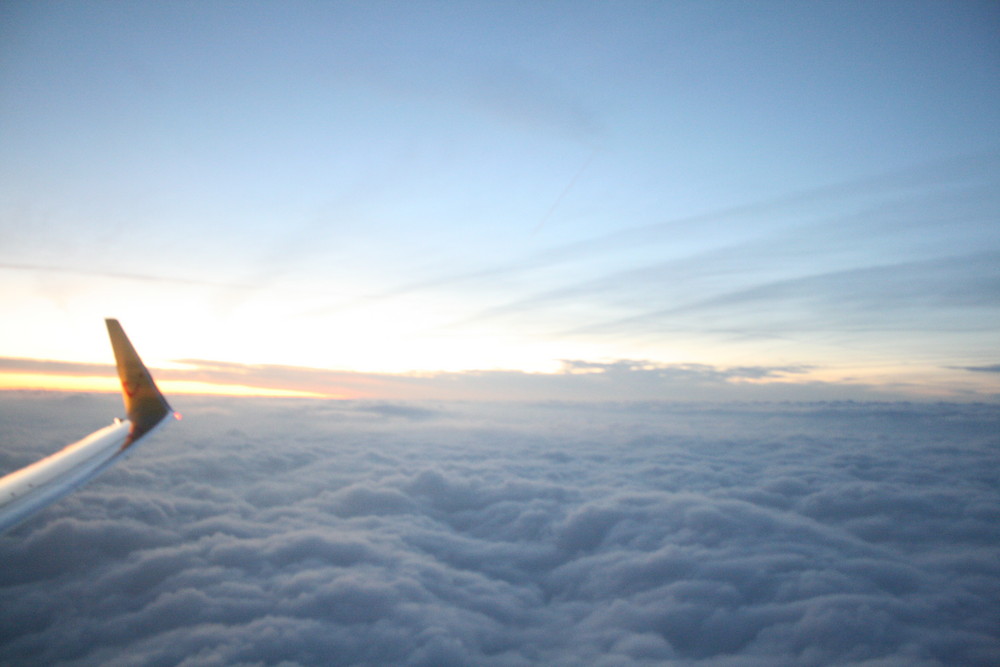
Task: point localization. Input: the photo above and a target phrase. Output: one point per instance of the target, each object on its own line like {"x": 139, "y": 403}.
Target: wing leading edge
{"x": 30, "y": 489}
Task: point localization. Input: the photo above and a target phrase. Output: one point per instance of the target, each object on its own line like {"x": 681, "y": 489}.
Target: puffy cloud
{"x": 296, "y": 532}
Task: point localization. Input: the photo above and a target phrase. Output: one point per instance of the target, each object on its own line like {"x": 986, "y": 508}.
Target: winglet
{"x": 144, "y": 404}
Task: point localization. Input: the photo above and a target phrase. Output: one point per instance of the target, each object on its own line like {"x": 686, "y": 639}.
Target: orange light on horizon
{"x": 180, "y": 387}
{"x": 85, "y": 383}
{"x": 52, "y": 382}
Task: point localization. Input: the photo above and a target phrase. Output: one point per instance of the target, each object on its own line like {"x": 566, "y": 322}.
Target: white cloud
{"x": 289, "y": 532}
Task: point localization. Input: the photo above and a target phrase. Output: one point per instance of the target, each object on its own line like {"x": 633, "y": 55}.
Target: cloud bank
{"x": 294, "y": 532}
{"x": 623, "y": 379}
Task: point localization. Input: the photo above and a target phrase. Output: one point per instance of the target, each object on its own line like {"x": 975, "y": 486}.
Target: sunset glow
{"x": 42, "y": 382}
{"x": 469, "y": 191}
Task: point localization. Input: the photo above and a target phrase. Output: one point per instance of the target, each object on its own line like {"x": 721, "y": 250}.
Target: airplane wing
{"x": 30, "y": 489}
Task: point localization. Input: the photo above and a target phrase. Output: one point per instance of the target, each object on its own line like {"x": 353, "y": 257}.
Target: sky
{"x": 656, "y": 200}
{"x": 266, "y": 532}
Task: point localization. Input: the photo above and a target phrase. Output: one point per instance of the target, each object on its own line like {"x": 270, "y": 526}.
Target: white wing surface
{"x": 30, "y": 489}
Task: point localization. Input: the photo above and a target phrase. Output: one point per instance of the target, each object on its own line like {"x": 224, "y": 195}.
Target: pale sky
{"x": 805, "y": 191}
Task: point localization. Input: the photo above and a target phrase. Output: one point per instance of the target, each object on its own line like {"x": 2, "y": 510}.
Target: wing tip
{"x": 144, "y": 403}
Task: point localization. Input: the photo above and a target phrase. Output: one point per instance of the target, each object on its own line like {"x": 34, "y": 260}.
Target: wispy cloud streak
{"x": 994, "y": 368}
{"x": 934, "y": 186}
{"x": 891, "y": 297}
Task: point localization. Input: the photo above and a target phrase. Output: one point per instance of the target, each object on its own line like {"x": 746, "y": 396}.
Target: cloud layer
{"x": 291, "y": 532}
{"x": 577, "y": 379}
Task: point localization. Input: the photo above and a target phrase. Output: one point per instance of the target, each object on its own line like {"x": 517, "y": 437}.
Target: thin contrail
{"x": 566, "y": 190}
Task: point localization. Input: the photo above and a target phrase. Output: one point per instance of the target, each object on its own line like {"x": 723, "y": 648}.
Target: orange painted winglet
{"x": 145, "y": 406}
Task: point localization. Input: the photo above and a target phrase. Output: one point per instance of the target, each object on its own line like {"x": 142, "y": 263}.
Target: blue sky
{"x": 449, "y": 187}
